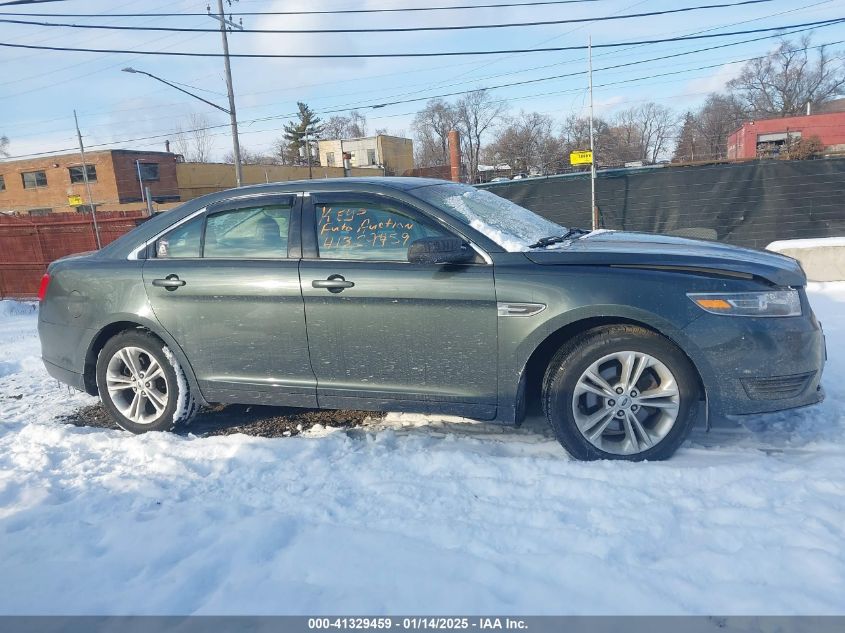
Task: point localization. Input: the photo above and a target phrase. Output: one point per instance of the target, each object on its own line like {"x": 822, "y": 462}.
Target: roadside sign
{"x": 581, "y": 158}
{"x": 74, "y": 201}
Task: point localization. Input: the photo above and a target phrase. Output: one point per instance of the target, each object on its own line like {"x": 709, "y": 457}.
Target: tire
{"x": 140, "y": 405}
{"x": 658, "y": 403}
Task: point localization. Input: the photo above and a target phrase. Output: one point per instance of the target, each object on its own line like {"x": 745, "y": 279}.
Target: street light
{"x": 235, "y": 144}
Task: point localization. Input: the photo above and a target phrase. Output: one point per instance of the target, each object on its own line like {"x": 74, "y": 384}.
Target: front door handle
{"x": 335, "y": 283}
{"x": 171, "y": 282}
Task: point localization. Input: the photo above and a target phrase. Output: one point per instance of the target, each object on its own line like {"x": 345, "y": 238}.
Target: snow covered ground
{"x": 413, "y": 515}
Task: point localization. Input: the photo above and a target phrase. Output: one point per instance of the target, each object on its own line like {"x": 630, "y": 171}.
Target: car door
{"x": 384, "y": 333}
{"x": 225, "y": 285}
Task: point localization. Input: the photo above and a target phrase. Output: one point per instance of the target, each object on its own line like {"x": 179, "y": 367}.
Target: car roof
{"x": 375, "y": 182}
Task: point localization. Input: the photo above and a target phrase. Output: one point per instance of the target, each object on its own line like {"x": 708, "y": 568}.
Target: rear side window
{"x": 251, "y": 233}
{"x": 183, "y": 241}
{"x": 370, "y": 230}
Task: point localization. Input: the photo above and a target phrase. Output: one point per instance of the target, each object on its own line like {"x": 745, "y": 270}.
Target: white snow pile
{"x": 817, "y": 242}
{"x": 414, "y": 515}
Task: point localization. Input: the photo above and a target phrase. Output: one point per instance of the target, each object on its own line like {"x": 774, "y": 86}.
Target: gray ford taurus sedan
{"x": 409, "y": 294}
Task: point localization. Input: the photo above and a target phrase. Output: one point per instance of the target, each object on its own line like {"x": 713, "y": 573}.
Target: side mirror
{"x": 440, "y": 250}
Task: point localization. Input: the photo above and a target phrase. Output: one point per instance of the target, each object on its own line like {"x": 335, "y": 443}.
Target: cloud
{"x": 717, "y": 81}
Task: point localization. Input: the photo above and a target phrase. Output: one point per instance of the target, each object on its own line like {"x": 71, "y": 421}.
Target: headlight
{"x": 778, "y": 303}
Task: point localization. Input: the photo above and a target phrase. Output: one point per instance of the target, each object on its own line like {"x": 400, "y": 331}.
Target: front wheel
{"x": 620, "y": 392}
{"x": 141, "y": 385}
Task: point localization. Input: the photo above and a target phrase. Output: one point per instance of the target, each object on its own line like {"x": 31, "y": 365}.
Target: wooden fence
{"x": 28, "y": 244}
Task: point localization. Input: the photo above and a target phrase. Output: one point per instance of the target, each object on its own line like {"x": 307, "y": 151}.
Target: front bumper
{"x": 759, "y": 365}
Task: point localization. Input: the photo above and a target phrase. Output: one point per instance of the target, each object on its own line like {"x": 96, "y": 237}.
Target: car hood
{"x": 663, "y": 252}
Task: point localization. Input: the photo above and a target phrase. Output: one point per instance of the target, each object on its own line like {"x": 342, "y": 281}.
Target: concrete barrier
{"x": 823, "y": 259}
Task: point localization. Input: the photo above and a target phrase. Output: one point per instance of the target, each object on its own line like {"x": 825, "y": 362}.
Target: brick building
{"x": 764, "y": 137}
{"x": 40, "y": 186}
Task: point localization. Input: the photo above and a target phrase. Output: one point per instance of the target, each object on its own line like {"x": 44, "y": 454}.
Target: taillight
{"x": 42, "y": 289}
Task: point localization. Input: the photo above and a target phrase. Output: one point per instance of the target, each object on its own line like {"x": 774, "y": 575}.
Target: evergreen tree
{"x": 301, "y": 133}
{"x": 687, "y": 147}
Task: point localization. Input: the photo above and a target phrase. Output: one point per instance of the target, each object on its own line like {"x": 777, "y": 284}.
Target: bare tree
{"x": 704, "y": 133}
{"x": 353, "y": 125}
{"x": 575, "y": 135}
{"x": 195, "y": 143}
{"x": 431, "y": 128}
{"x": 783, "y": 82}
{"x": 357, "y": 124}
{"x": 643, "y": 132}
{"x": 476, "y": 113}
{"x": 4, "y": 145}
{"x": 335, "y": 127}
{"x": 718, "y": 117}
{"x": 249, "y": 157}
{"x": 526, "y": 143}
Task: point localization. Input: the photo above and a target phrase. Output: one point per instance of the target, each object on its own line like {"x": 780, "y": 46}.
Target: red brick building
{"x": 755, "y": 138}
{"x": 41, "y": 186}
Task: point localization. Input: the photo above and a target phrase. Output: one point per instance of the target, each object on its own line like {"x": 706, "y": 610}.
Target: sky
{"x": 40, "y": 89}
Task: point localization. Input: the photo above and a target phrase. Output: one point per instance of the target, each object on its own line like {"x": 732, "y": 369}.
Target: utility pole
{"x": 140, "y": 180}
{"x": 236, "y": 146}
{"x": 594, "y": 209}
{"x": 87, "y": 184}
{"x": 343, "y": 159}
{"x": 308, "y": 153}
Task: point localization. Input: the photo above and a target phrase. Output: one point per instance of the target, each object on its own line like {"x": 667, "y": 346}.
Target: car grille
{"x": 777, "y": 387}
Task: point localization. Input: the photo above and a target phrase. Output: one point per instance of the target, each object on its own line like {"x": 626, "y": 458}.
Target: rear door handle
{"x": 171, "y": 282}
{"x": 335, "y": 283}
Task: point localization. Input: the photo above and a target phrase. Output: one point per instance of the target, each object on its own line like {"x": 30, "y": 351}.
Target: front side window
{"x": 2, "y": 184}
{"x": 253, "y": 233}
{"x": 371, "y": 157}
{"x": 376, "y": 231}
{"x": 183, "y": 241}
{"x": 77, "y": 174}
{"x": 148, "y": 171}
{"x": 33, "y": 179}
{"x": 330, "y": 159}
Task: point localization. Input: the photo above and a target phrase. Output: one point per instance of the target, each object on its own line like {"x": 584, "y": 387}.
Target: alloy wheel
{"x": 137, "y": 385}
{"x": 626, "y": 402}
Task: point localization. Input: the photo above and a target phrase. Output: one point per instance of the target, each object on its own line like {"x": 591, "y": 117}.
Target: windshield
{"x": 509, "y": 225}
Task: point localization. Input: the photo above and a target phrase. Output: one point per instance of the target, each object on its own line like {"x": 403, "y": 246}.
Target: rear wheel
{"x": 141, "y": 385}
{"x": 620, "y": 392}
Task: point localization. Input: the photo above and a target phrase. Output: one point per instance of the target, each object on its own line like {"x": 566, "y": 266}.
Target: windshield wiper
{"x": 557, "y": 239}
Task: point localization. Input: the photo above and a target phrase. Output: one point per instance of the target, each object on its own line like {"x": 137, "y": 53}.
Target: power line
{"x": 819, "y": 23}
{"x": 320, "y": 12}
{"x": 620, "y": 51}
{"x": 342, "y": 107}
{"x": 408, "y": 29}
{"x": 345, "y": 107}
{"x": 623, "y": 65}
{"x": 282, "y": 116}
{"x": 22, "y": 2}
